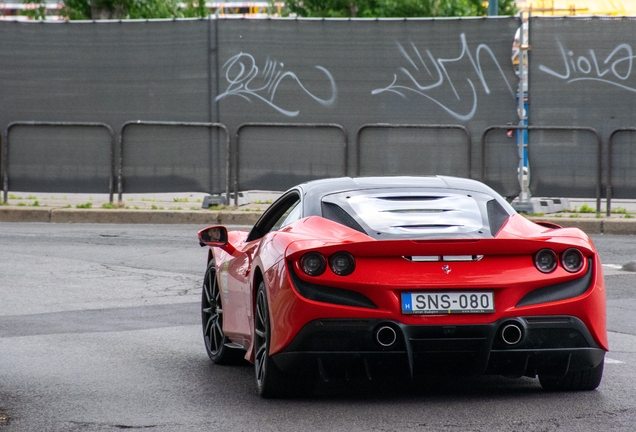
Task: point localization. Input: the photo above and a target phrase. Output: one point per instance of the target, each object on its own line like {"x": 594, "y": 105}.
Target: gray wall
{"x": 341, "y": 73}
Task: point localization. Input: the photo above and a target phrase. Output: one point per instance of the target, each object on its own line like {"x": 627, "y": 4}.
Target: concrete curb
{"x": 117, "y": 216}
{"x": 25, "y": 214}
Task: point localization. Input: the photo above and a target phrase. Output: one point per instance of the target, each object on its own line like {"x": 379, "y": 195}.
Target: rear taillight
{"x": 572, "y": 260}
{"x": 545, "y": 260}
{"x": 342, "y": 263}
{"x": 313, "y": 263}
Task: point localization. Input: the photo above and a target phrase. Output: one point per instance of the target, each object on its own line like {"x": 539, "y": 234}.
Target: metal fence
{"x": 65, "y": 161}
{"x": 422, "y": 153}
{"x": 243, "y": 104}
{"x": 198, "y": 164}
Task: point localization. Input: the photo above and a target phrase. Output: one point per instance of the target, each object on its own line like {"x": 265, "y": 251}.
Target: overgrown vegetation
{"x": 121, "y": 9}
{"x": 393, "y": 9}
{"x": 148, "y": 9}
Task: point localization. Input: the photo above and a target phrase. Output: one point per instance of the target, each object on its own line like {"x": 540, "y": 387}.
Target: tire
{"x": 212, "y": 322}
{"x": 585, "y": 380}
{"x": 270, "y": 381}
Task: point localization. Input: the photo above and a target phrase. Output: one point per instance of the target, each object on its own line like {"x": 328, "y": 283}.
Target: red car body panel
{"x": 370, "y": 276}
{"x": 382, "y": 274}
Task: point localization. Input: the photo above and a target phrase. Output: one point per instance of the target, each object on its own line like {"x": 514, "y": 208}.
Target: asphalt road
{"x": 99, "y": 331}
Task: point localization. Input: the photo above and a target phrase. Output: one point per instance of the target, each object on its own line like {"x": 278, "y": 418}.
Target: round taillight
{"x": 545, "y": 260}
{"x": 313, "y": 263}
{"x": 572, "y": 260}
{"x": 342, "y": 263}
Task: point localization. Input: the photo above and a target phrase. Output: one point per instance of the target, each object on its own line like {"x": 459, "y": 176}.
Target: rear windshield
{"x": 415, "y": 213}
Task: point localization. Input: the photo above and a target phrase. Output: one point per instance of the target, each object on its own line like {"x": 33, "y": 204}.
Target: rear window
{"x": 414, "y": 213}
{"x": 417, "y": 213}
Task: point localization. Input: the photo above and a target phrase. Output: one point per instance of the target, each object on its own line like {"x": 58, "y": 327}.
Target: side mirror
{"x": 214, "y": 236}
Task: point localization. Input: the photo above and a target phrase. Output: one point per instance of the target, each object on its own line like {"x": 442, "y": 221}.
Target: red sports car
{"x": 403, "y": 275}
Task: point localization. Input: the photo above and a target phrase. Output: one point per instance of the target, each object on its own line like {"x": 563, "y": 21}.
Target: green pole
{"x": 493, "y": 7}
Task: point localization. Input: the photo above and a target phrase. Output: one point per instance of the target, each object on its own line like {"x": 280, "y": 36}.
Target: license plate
{"x": 447, "y": 302}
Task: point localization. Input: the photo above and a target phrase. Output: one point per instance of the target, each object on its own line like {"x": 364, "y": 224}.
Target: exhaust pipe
{"x": 386, "y": 336}
{"x": 511, "y": 333}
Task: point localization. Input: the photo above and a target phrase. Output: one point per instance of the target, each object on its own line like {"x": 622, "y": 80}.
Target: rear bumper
{"x": 547, "y": 345}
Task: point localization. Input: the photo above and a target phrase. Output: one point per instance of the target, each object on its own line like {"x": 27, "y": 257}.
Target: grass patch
{"x": 183, "y": 200}
{"x": 36, "y": 203}
{"x": 585, "y": 209}
{"x": 628, "y": 216}
{"x": 21, "y": 204}
{"x": 84, "y": 206}
{"x": 109, "y": 205}
{"x": 217, "y": 207}
{"x": 195, "y": 208}
{"x": 574, "y": 216}
{"x": 32, "y": 197}
{"x": 15, "y": 197}
{"x": 619, "y": 210}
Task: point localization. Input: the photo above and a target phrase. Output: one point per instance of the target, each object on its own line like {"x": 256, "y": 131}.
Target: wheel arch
{"x": 257, "y": 279}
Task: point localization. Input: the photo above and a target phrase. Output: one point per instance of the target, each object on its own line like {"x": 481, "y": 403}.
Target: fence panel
{"x": 565, "y": 162}
{"x": 183, "y": 157}
{"x": 621, "y": 171}
{"x": 413, "y": 149}
{"x": 356, "y": 72}
{"x": 500, "y": 160}
{"x": 58, "y": 157}
{"x": 581, "y": 72}
{"x": 277, "y": 156}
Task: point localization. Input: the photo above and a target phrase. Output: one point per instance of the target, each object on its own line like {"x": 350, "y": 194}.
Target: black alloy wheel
{"x": 271, "y": 382}
{"x": 212, "y": 322}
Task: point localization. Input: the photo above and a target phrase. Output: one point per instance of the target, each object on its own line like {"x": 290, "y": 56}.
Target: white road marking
{"x": 615, "y": 269}
{"x": 612, "y": 361}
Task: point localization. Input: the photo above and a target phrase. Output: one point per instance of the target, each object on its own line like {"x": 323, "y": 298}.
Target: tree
{"x": 125, "y": 9}
{"x": 393, "y": 8}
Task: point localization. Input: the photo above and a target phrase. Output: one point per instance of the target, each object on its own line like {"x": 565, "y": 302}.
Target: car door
{"x": 237, "y": 273}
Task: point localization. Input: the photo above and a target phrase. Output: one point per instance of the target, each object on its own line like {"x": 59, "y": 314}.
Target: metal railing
{"x": 599, "y": 143}
{"x": 232, "y": 180}
{"x": 221, "y": 126}
{"x": 5, "y": 148}
{"x": 285, "y": 125}
{"x": 416, "y": 126}
{"x": 610, "y": 164}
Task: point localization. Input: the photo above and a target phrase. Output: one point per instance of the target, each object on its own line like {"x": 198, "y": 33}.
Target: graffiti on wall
{"x": 614, "y": 69}
{"x": 427, "y": 73}
{"x": 246, "y": 80}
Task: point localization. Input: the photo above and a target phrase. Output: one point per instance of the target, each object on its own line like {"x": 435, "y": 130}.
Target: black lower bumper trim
{"x": 550, "y": 346}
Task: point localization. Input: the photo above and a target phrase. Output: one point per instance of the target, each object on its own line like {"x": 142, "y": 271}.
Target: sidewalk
{"x": 186, "y": 208}
{"x": 159, "y": 208}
